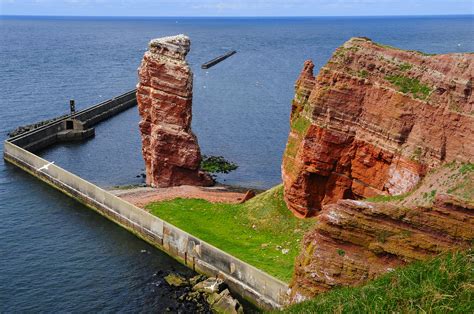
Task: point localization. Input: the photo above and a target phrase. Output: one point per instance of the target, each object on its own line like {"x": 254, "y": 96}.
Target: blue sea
{"x": 57, "y": 255}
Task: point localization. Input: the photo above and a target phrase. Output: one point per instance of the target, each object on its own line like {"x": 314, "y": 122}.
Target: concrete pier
{"x": 77, "y": 126}
{"x": 251, "y": 283}
{"x": 215, "y": 61}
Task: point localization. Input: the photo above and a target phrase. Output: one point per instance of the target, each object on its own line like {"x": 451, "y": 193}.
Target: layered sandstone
{"x": 164, "y": 95}
{"x": 373, "y": 121}
{"x": 356, "y": 241}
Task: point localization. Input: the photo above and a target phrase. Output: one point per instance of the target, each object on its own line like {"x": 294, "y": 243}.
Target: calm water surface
{"x": 56, "y": 255}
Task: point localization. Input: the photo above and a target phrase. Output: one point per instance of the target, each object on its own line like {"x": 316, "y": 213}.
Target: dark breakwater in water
{"x": 58, "y": 255}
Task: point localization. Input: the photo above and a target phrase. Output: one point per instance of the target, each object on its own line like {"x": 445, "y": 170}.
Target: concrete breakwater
{"x": 218, "y": 59}
{"x": 251, "y": 283}
{"x": 57, "y": 130}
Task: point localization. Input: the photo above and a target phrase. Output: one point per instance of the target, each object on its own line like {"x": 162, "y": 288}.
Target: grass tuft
{"x": 410, "y": 85}
{"x": 386, "y": 198}
{"x": 466, "y": 168}
{"x": 465, "y": 185}
{"x": 300, "y": 124}
{"x": 443, "y": 284}
{"x": 405, "y": 66}
{"x": 363, "y": 73}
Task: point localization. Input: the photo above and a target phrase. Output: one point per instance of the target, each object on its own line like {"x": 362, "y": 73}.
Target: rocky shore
{"x": 199, "y": 294}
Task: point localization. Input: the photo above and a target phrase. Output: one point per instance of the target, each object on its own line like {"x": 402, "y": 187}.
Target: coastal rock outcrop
{"x": 355, "y": 241}
{"x": 374, "y": 121}
{"x": 164, "y": 95}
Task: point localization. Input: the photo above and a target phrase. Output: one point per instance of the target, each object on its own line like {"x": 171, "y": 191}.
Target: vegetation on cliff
{"x": 409, "y": 85}
{"x": 453, "y": 178}
{"x": 373, "y": 121}
{"x": 443, "y": 284}
{"x": 261, "y": 232}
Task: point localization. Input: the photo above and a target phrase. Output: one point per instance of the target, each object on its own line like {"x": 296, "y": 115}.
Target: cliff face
{"x": 164, "y": 94}
{"x": 356, "y": 241}
{"x": 373, "y": 121}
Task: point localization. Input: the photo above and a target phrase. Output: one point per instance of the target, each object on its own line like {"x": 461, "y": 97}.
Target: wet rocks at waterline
{"x": 212, "y": 292}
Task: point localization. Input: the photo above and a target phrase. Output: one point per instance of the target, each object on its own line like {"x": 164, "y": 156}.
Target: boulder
{"x": 227, "y": 304}
{"x": 210, "y": 285}
{"x": 176, "y": 280}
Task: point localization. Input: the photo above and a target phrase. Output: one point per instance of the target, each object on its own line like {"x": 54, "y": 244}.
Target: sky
{"x": 235, "y": 7}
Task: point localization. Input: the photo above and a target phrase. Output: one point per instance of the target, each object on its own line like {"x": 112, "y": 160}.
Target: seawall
{"x": 251, "y": 283}
{"x": 48, "y": 134}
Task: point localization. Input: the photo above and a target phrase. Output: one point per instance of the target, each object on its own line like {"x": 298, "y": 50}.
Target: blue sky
{"x": 235, "y": 7}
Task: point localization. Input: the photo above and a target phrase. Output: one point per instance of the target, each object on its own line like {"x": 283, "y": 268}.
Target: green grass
{"x": 363, "y": 73}
{"x": 466, "y": 168}
{"x": 465, "y": 186}
{"x": 429, "y": 196}
{"x": 341, "y": 51}
{"x": 409, "y": 85}
{"x": 255, "y": 232}
{"x": 417, "y": 154}
{"x": 386, "y": 198}
{"x": 300, "y": 124}
{"x": 442, "y": 285}
{"x": 405, "y": 66}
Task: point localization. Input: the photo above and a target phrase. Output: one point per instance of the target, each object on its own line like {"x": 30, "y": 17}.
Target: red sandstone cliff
{"x": 373, "y": 121}
{"x": 164, "y": 94}
{"x": 356, "y": 241}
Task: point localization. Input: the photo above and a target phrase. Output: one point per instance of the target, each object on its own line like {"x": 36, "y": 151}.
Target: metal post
{"x": 72, "y": 106}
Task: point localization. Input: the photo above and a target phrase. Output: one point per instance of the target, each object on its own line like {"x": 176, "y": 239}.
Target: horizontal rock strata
{"x": 373, "y": 121}
{"x": 164, "y": 95}
{"x": 356, "y": 241}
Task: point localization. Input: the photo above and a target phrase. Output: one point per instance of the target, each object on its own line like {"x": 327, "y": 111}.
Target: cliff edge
{"x": 381, "y": 150}
{"x": 374, "y": 121}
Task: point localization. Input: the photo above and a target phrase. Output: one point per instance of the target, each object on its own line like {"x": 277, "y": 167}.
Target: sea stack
{"x": 164, "y": 95}
{"x": 374, "y": 121}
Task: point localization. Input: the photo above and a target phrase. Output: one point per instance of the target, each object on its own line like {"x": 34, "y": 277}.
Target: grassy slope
{"x": 253, "y": 231}
{"x": 256, "y": 232}
{"x": 453, "y": 178}
{"x": 444, "y": 284}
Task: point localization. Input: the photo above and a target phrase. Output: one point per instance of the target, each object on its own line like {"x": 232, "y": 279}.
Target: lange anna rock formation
{"x": 374, "y": 121}
{"x": 164, "y": 95}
